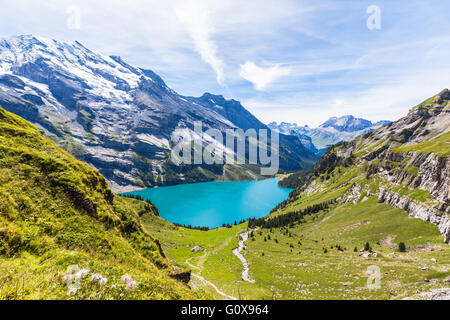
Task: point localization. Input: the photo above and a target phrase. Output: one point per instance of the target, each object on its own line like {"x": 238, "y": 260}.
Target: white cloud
{"x": 262, "y": 77}
{"x": 196, "y": 16}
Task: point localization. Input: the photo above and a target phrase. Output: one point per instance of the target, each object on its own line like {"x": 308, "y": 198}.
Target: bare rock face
{"x": 434, "y": 176}
{"x": 353, "y": 195}
{"x": 444, "y": 227}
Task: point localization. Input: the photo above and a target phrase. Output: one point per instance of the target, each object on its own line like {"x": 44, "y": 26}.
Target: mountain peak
{"x": 347, "y": 123}
{"x": 30, "y": 41}
{"x": 215, "y": 98}
{"x": 431, "y": 105}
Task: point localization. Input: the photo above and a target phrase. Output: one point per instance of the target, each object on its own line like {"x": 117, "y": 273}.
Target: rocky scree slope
{"x": 117, "y": 117}
{"x": 405, "y": 164}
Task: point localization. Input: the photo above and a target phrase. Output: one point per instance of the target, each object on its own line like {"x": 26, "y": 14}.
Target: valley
{"x": 370, "y": 221}
{"x": 291, "y": 263}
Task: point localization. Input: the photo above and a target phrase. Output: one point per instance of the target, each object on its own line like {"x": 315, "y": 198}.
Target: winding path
{"x": 206, "y": 282}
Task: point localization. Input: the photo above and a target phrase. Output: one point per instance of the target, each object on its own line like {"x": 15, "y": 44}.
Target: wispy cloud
{"x": 262, "y": 77}
{"x": 196, "y": 16}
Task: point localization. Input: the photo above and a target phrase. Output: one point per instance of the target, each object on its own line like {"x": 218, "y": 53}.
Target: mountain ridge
{"x": 117, "y": 117}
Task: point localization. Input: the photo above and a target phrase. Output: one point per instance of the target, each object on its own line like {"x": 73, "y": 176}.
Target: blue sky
{"x": 295, "y": 61}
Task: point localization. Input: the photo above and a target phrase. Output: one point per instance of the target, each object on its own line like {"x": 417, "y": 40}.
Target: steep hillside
{"x": 117, "y": 117}
{"x": 57, "y": 213}
{"x": 405, "y": 164}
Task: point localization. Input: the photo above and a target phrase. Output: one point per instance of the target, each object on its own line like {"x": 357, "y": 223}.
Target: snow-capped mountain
{"x": 117, "y": 117}
{"x": 332, "y": 131}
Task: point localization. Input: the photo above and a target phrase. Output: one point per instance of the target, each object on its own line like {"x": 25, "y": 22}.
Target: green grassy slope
{"x": 440, "y": 146}
{"x": 216, "y": 263}
{"x": 56, "y": 212}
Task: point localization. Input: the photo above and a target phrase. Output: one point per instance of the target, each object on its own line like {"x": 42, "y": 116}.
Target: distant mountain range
{"x": 119, "y": 118}
{"x": 332, "y": 131}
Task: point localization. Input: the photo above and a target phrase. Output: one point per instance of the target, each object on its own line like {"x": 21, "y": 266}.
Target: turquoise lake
{"x": 212, "y": 204}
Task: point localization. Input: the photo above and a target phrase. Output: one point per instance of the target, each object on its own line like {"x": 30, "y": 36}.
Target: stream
{"x": 237, "y": 252}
